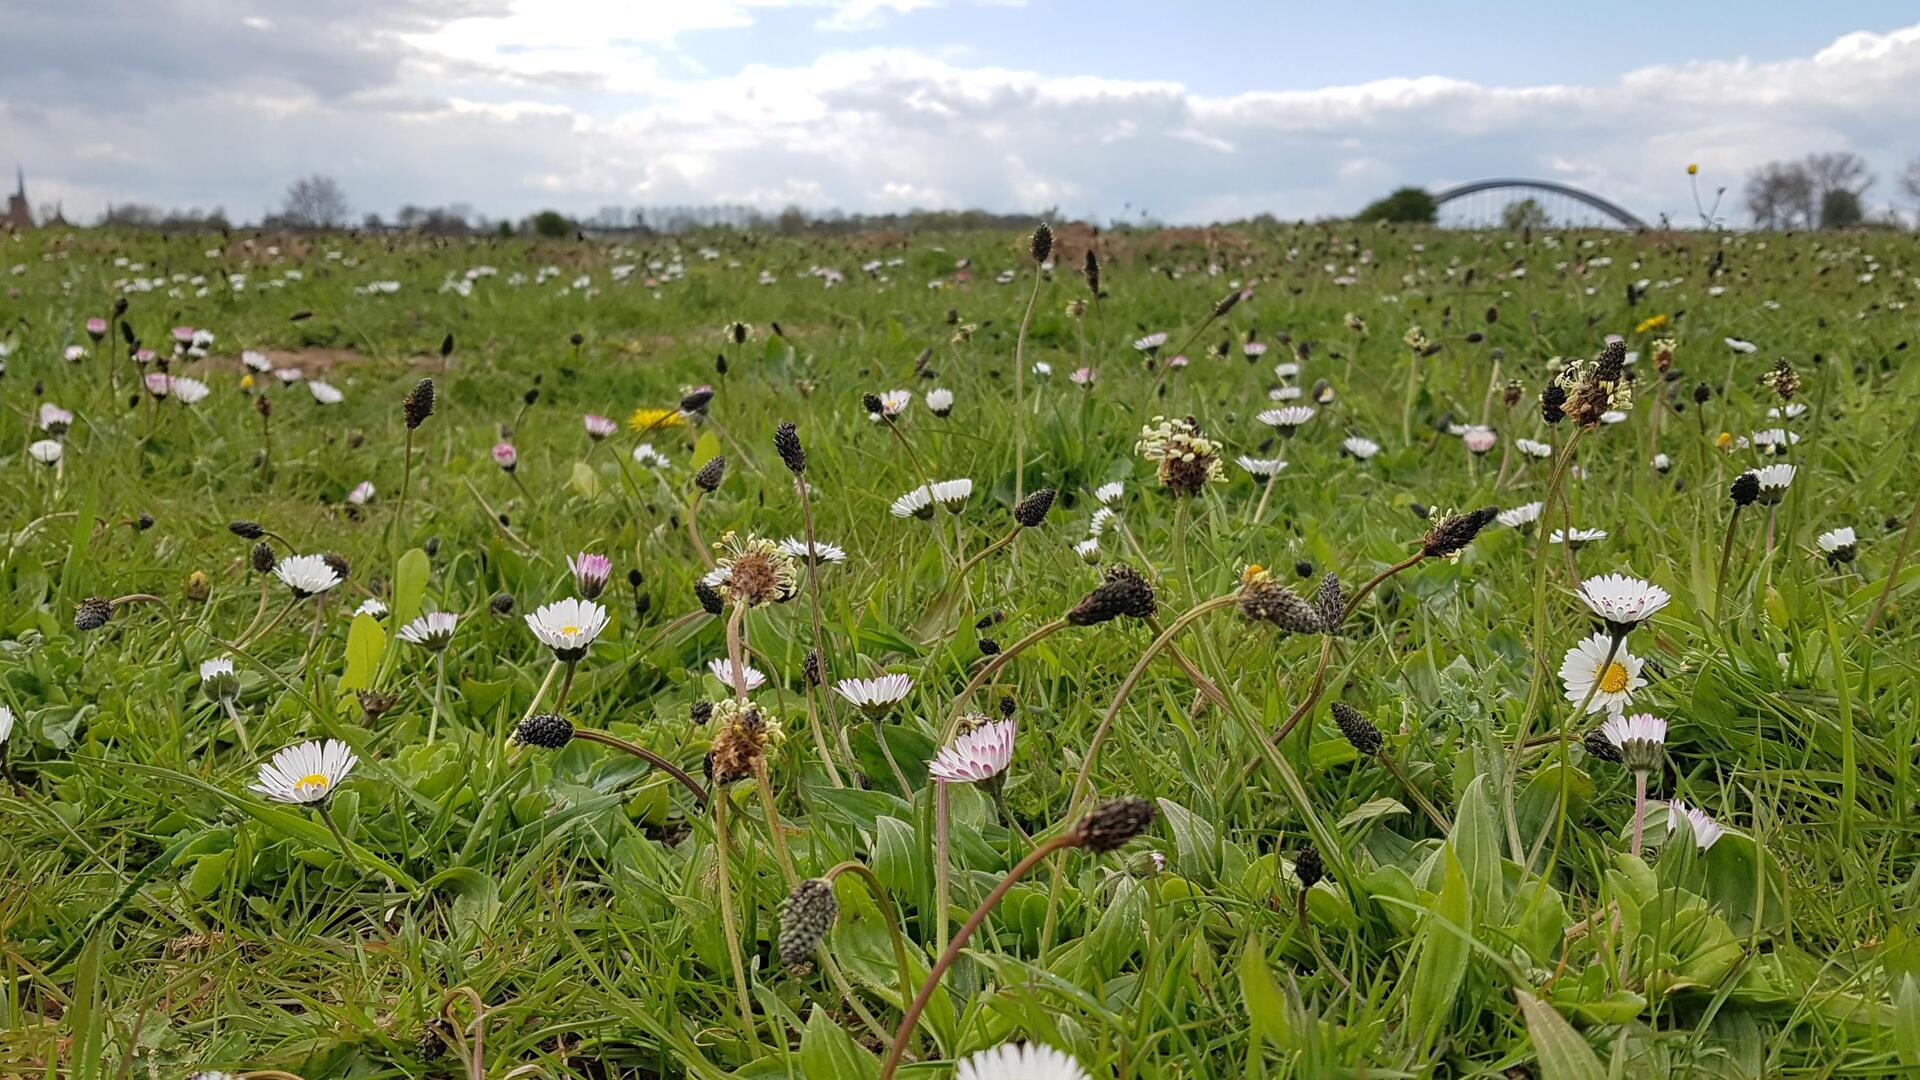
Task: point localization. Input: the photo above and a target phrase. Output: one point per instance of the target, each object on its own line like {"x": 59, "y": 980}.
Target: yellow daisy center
{"x": 312, "y": 781}
{"x": 1614, "y": 679}
{"x": 569, "y": 630}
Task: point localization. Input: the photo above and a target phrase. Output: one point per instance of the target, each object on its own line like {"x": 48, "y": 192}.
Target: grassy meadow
{"x": 1210, "y": 815}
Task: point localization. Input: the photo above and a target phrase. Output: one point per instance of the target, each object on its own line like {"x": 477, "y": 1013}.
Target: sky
{"x": 1185, "y": 112}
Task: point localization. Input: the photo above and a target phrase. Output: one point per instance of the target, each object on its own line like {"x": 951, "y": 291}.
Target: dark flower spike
{"x": 262, "y": 558}
{"x": 805, "y": 918}
{"x": 1356, "y": 728}
{"x": 246, "y": 530}
{"x": 1601, "y": 747}
{"x": 418, "y": 404}
{"x": 1553, "y": 403}
{"x": 92, "y": 613}
{"x": 1331, "y": 603}
{"x": 1040, "y": 244}
{"x": 1031, "y": 512}
{"x": 1091, "y": 272}
{"x": 1123, "y": 594}
{"x": 548, "y": 731}
{"x": 1451, "y": 534}
{"x": 786, "y": 440}
{"x": 1110, "y": 825}
{"x": 1308, "y": 867}
{"x": 709, "y": 477}
{"x": 1745, "y": 489}
{"x": 696, "y": 401}
{"x": 501, "y": 604}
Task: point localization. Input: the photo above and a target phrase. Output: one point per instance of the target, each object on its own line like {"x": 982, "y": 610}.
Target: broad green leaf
{"x": 1476, "y": 840}
{"x": 365, "y": 642}
{"x": 829, "y": 1053}
{"x": 409, "y": 586}
{"x": 1194, "y": 842}
{"x": 705, "y": 449}
{"x": 1441, "y": 960}
{"x": 1266, "y": 1002}
{"x": 584, "y": 480}
{"x": 1906, "y": 1029}
{"x": 1563, "y": 1054}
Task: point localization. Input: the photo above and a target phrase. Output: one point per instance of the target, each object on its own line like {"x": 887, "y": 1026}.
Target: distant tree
{"x": 1910, "y": 180}
{"x": 372, "y": 223}
{"x": 551, "y": 224}
{"x": 1523, "y": 214}
{"x": 315, "y": 202}
{"x": 1780, "y": 195}
{"x": 792, "y": 220}
{"x": 1408, "y": 204}
{"x": 1841, "y": 171}
{"x": 1841, "y": 209}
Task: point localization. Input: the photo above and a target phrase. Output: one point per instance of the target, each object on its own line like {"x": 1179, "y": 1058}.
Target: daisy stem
{"x": 887, "y": 914}
{"x": 1726, "y": 557}
{"x": 346, "y": 849}
{"x": 239, "y": 726}
{"x": 776, "y": 831}
{"x": 725, "y": 881}
{"x": 540, "y": 694}
{"x": 959, "y": 577}
{"x": 1020, "y": 396}
{"x": 605, "y": 739}
{"x": 942, "y": 858}
{"x": 271, "y": 623}
{"x": 439, "y": 684}
{"x": 400, "y": 505}
{"x": 735, "y": 659}
{"x": 880, "y": 736}
{"x": 952, "y": 952}
{"x": 1639, "y": 809}
{"x": 566, "y": 687}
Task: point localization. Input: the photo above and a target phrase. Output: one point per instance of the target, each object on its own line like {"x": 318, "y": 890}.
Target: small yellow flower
{"x": 1692, "y": 169}
{"x": 246, "y": 381}
{"x": 1651, "y": 322}
{"x": 1724, "y": 440}
{"x": 646, "y": 418}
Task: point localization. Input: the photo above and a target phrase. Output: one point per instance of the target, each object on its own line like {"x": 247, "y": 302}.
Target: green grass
{"x": 156, "y": 917}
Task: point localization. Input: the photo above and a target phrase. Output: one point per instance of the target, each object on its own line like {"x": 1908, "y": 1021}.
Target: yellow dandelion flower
{"x": 1651, "y": 322}
{"x": 246, "y": 381}
{"x": 1692, "y": 169}
{"x": 1724, "y": 440}
{"x": 646, "y": 418}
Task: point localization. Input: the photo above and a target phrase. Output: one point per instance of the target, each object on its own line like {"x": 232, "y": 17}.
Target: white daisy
{"x": 1577, "y": 537}
{"x": 1837, "y": 543}
{"x": 1640, "y": 738}
{"x": 45, "y": 451}
{"x": 953, "y": 494}
{"x": 6, "y": 725}
{"x": 598, "y": 427}
{"x": 1774, "y": 441}
{"x": 1620, "y": 601}
{"x": 288, "y": 374}
{"x": 190, "y": 391}
{"x": 306, "y": 574}
{"x": 1787, "y": 412}
{"x": 431, "y": 631}
{"x": 1042, "y": 368}
{"x": 1088, "y": 550}
{"x": 1027, "y": 1061}
{"x": 306, "y": 773}
{"x": 1287, "y": 370}
{"x": 1284, "y": 393}
{"x": 325, "y": 393}
{"x": 256, "y": 361}
{"x": 1361, "y": 449}
{"x": 1774, "y": 481}
{"x": 1479, "y": 439}
{"x": 1107, "y": 493}
{"x": 722, "y": 669}
{"x": 893, "y": 403}
{"x": 940, "y": 401}
{"x": 1152, "y": 342}
{"x": 54, "y": 420}
{"x": 1285, "y": 419}
{"x": 362, "y": 493}
{"x": 645, "y": 454}
{"x": 875, "y": 696}
{"x": 1103, "y": 518}
{"x": 1613, "y": 416}
{"x": 1741, "y": 346}
{"x": 568, "y": 626}
{"x": 980, "y": 754}
{"x": 1524, "y": 514}
{"x": 1661, "y": 463}
{"x": 373, "y": 607}
{"x": 1533, "y": 449}
{"x": 821, "y": 552}
{"x": 1612, "y": 682}
{"x": 916, "y": 503}
{"x": 1706, "y": 831}
{"x": 1261, "y": 467}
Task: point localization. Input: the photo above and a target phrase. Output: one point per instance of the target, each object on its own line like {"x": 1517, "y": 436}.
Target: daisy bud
{"x": 1331, "y": 603}
{"x": 92, "y": 614}
{"x": 709, "y": 477}
{"x": 1454, "y": 532}
{"x": 1110, "y": 825}
{"x": 1308, "y": 867}
{"x": 1031, "y": 512}
{"x": 217, "y": 679}
{"x": 1745, "y": 489}
{"x": 548, "y": 731}
{"x": 709, "y": 599}
{"x": 1040, "y": 244}
{"x": 1356, "y": 728}
{"x": 262, "y": 558}
{"x": 246, "y": 530}
{"x": 786, "y": 440}
{"x": 805, "y": 918}
{"x": 501, "y": 604}
{"x": 505, "y": 456}
{"x": 418, "y": 404}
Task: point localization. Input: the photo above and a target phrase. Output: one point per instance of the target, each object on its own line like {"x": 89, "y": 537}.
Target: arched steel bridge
{"x": 1605, "y": 206}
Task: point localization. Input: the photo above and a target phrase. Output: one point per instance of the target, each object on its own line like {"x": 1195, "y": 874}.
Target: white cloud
{"x": 512, "y": 107}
